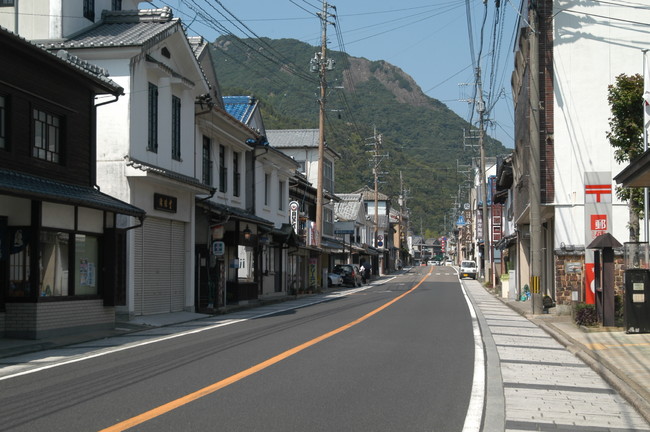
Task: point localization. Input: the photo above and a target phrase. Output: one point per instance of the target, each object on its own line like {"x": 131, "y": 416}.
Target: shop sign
{"x": 218, "y": 248}
{"x": 165, "y": 203}
{"x": 293, "y": 215}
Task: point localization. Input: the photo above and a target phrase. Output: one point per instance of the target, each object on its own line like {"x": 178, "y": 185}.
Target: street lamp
{"x": 247, "y": 233}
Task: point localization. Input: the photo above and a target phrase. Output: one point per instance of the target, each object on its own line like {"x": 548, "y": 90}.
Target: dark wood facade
{"x": 62, "y": 254}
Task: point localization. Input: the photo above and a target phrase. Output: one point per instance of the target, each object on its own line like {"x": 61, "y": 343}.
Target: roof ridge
{"x": 163, "y": 14}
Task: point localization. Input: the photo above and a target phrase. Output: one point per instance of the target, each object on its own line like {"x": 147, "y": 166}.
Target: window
{"x": 19, "y": 259}
{"x": 54, "y": 264}
{"x": 236, "y": 176}
{"x": 47, "y": 136}
{"x": 328, "y": 176}
{"x": 116, "y": 5}
{"x": 4, "y": 3}
{"x": 207, "y": 161}
{"x": 176, "y": 128}
{"x": 86, "y": 253}
{"x": 152, "y": 121}
{"x": 267, "y": 188}
{"x": 89, "y": 9}
{"x": 302, "y": 167}
{"x": 223, "y": 171}
{"x": 3, "y": 122}
{"x": 281, "y": 195}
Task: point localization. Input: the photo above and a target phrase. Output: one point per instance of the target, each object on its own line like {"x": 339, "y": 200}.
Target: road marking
{"x": 110, "y": 350}
{"x": 477, "y": 396}
{"x": 205, "y": 391}
{"x": 601, "y": 346}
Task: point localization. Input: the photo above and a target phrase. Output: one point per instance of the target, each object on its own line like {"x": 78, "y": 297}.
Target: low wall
{"x": 45, "y": 319}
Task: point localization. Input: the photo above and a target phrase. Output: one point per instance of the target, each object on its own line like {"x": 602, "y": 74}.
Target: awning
{"x": 332, "y": 245}
{"x": 40, "y": 188}
{"x": 506, "y": 242}
{"x": 238, "y": 213}
{"x": 283, "y": 235}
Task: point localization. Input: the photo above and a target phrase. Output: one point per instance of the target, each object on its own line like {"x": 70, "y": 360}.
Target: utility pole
{"x": 321, "y": 64}
{"x": 376, "y": 173}
{"x": 534, "y": 168}
{"x": 480, "y": 107}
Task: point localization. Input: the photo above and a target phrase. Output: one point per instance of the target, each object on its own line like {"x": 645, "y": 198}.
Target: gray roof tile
{"x": 123, "y": 28}
{"x": 17, "y": 183}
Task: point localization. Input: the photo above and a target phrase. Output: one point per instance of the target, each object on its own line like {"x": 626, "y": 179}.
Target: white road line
{"x": 477, "y": 397}
{"x": 103, "y": 352}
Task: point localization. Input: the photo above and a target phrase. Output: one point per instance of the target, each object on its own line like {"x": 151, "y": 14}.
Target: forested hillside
{"x": 422, "y": 139}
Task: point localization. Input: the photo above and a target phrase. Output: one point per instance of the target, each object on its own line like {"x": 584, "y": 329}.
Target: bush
{"x": 586, "y": 315}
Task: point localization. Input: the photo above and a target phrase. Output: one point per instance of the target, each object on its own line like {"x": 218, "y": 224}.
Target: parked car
{"x": 432, "y": 262}
{"x": 467, "y": 269}
{"x": 334, "y": 279}
{"x": 350, "y": 273}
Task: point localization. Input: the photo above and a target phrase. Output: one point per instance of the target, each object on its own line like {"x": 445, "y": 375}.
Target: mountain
{"x": 421, "y": 138}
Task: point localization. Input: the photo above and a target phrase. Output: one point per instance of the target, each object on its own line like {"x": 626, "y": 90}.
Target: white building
{"x": 583, "y": 47}
{"x": 146, "y": 141}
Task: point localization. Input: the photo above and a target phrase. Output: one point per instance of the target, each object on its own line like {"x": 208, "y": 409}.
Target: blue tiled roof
{"x": 17, "y": 183}
{"x": 240, "y": 107}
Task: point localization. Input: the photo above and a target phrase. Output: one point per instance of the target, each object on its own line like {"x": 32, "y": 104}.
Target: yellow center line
{"x": 205, "y": 391}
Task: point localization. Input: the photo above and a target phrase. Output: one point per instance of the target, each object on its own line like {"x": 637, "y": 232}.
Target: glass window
{"x": 267, "y": 188}
{"x": 53, "y": 263}
{"x": 176, "y": 128}
{"x": 86, "y": 264}
{"x": 223, "y": 171}
{"x": 236, "y": 176}
{"x": 152, "y": 121}
{"x": 89, "y": 9}
{"x": 281, "y": 195}
{"x": 328, "y": 176}
{"x": 47, "y": 136}
{"x": 116, "y": 5}
{"x": 19, "y": 258}
{"x": 3, "y": 122}
{"x": 6, "y": 3}
{"x": 207, "y": 161}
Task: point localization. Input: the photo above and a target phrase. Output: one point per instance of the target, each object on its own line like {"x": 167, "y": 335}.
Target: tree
{"x": 625, "y": 99}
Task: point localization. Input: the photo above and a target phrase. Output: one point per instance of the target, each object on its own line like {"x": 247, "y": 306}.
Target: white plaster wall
{"x": 17, "y": 210}
{"x": 589, "y": 52}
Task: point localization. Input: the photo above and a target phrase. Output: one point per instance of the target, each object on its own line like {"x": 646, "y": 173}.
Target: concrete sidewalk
{"x": 622, "y": 359}
{"x": 543, "y": 370}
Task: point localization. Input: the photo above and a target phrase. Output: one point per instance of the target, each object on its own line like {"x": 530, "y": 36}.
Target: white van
{"x": 467, "y": 269}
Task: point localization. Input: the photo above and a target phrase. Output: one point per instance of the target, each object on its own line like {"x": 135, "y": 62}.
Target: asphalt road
{"x": 394, "y": 357}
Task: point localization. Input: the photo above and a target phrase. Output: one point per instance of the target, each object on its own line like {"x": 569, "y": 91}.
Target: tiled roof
{"x": 284, "y": 138}
{"x": 17, "y": 183}
{"x": 90, "y": 70}
{"x": 239, "y": 213}
{"x": 172, "y": 175}
{"x": 348, "y": 208}
{"x": 240, "y": 107}
{"x": 122, "y": 29}
{"x": 369, "y": 194}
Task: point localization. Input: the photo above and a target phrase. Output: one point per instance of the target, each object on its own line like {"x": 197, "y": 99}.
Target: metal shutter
{"x": 177, "y": 266}
{"x": 159, "y": 267}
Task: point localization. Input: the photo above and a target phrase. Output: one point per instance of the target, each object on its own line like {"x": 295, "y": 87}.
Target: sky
{"x": 429, "y": 40}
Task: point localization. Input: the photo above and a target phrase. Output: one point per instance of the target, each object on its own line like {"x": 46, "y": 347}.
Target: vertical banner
{"x": 598, "y": 220}
{"x": 293, "y": 215}
{"x": 313, "y": 273}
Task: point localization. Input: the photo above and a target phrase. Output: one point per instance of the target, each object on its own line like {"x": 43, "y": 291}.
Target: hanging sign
{"x": 293, "y": 215}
